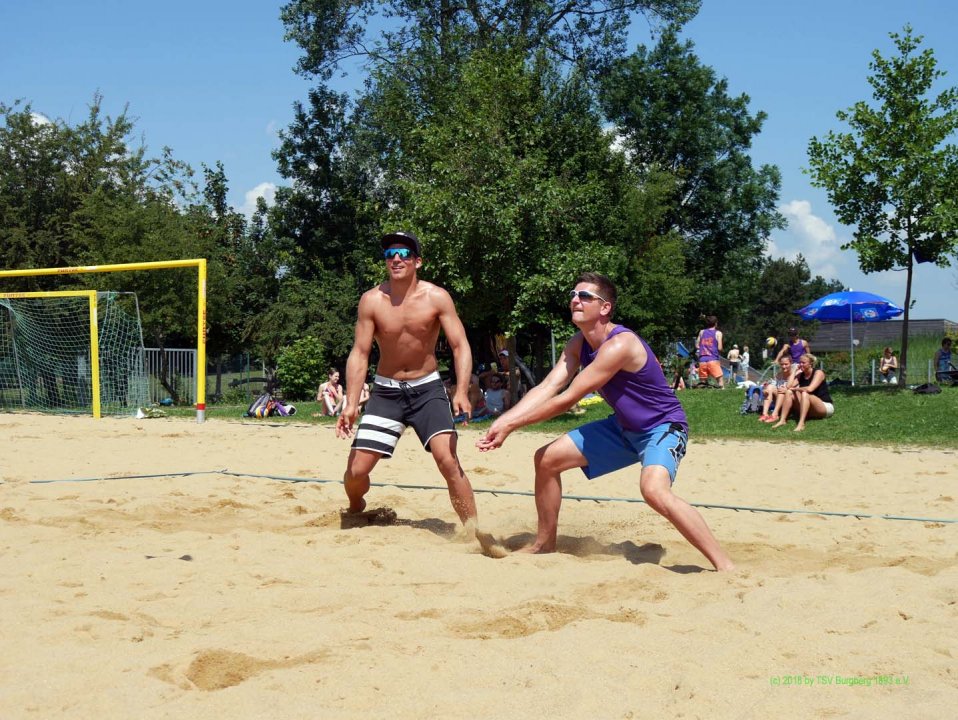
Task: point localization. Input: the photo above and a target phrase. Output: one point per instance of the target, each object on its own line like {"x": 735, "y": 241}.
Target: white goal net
{"x": 50, "y": 354}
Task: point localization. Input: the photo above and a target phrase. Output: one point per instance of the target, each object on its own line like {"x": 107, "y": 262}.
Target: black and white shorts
{"x": 394, "y": 404}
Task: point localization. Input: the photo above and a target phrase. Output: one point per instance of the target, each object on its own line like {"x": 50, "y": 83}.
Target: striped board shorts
{"x": 394, "y": 404}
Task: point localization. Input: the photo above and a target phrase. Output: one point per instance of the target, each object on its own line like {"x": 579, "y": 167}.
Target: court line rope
{"x": 522, "y": 493}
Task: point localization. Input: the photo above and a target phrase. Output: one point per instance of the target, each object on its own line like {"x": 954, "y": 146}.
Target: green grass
{"x": 879, "y": 415}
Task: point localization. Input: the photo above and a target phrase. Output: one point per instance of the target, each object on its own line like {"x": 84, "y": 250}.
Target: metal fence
{"x": 178, "y": 366}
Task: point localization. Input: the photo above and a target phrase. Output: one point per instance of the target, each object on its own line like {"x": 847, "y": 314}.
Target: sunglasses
{"x": 585, "y": 296}
{"x": 402, "y": 253}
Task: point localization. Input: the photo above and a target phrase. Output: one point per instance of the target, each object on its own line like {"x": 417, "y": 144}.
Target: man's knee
{"x": 449, "y": 466}
{"x": 656, "y": 488}
{"x": 360, "y": 464}
{"x": 540, "y": 456}
{"x": 549, "y": 459}
{"x": 444, "y": 454}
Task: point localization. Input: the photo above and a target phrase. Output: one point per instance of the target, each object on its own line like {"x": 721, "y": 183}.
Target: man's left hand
{"x": 462, "y": 406}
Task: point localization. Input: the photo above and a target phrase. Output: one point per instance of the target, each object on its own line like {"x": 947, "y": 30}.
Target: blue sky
{"x": 213, "y": 80}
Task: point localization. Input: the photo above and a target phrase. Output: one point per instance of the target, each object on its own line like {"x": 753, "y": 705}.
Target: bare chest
{"x": 408, "y": 320}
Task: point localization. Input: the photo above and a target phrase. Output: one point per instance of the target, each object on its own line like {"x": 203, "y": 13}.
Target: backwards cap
{"x": 402, "y": 238}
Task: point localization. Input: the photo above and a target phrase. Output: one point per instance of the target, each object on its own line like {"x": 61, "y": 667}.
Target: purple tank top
{"x": 641, "y": 400}
{"x": 796, "y": 350}
{"x": 708, "y": 345}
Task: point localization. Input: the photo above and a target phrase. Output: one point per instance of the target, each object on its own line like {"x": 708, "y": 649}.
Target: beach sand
{"x": 218, "y": 596}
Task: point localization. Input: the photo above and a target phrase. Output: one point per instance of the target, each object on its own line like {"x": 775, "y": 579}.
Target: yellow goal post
{"x": 199, "y": 264}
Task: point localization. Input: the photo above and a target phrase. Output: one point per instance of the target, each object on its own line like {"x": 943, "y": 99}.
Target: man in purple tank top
{"x": 648, "y": 425}
{"x": 795, "y": 347}
{"x": 708, "y": 345}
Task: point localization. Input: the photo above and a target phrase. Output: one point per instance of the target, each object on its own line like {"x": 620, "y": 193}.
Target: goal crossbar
{"x": 198, "y": 263}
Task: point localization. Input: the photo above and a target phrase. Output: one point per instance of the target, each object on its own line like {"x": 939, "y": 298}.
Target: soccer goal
{"x": 71, "y": 352}
{"x": 61, "y": 351}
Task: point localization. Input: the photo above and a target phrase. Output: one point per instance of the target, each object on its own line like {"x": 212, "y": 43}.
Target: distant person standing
{"x": 709, "y": 349}
{"x": 734, "y": 361}
{"x": 746, "y": 358}
{"x": 795, "y": 347}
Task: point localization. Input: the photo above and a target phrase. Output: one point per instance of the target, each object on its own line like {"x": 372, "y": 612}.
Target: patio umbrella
{"x": 850, "y": 306}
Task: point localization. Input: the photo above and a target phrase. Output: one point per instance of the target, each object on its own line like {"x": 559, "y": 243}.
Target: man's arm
{"x": 461, "y": 353}
{"x": 718, "y": 339}
{"x": 357, "y": 365}
{"x": 547, "y": 399}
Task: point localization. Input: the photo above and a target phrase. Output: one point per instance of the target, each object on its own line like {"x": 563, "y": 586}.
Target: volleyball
{"x": 770, "y": 341}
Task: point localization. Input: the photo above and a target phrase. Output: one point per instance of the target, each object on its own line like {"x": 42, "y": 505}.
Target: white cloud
{"x": 271, "y": 127}
{"x": 265, "y": 190}
{"x": 40, "y": 119}
{"x": 811, "y": 236}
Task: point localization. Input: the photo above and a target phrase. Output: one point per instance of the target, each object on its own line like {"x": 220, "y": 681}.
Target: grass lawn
{"x": 878, "y": 415}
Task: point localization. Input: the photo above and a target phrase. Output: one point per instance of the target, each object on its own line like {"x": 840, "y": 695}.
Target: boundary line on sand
{"x": 523, "y": 493}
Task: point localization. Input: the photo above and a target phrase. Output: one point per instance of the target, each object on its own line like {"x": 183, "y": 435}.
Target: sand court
{"x": 196, "y": 593}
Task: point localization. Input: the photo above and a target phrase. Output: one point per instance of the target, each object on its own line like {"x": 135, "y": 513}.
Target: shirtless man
{"x": 403, "y": 315}
{"x": 648, "y": 427}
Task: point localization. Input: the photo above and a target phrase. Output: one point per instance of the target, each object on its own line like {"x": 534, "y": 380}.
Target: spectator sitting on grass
{"x": 808, "y": 395}
{"x": 774, "y": 390}
{"x": 889, "y": 367}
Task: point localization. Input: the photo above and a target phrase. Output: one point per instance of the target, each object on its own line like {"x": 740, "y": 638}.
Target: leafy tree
{"x": 582, "y": 31}
{"x": 511, "y": 179}
{"x": 86, "y": 194}
{"x": 300, "y": 368}
{"x": 676, "y": 118}
{"x": 784, "y": 286}
{"x": 895, "y": 175}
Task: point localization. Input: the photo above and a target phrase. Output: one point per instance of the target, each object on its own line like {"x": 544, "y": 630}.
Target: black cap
{"x": 402, "y": 238}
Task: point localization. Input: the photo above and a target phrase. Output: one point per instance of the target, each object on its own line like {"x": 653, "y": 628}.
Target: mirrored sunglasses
{"x": 403, "y": 253}
{"x": 585, "y": 296}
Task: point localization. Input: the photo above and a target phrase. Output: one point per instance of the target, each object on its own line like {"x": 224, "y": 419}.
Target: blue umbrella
{"x": 850, "y": 306}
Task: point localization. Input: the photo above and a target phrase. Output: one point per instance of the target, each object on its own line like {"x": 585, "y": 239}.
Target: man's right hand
{"x": 346, "y": 421}
{"x": 494, "y": 437}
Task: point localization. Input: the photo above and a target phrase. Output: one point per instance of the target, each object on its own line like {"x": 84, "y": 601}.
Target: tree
{"x": 784, "y": 286}
{"x": 514, "y": 183}
{"x": 676, "y": 118}
{"x": 86, "y": 194}
{"x": 478, "y": 132}
{"x": 895, "y": 175}
{"x": 583, "y": 32}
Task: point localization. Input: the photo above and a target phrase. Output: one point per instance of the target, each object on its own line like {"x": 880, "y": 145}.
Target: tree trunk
{"x": 166, "y": 378}
{"x": 218, "y": 393}
{"x": 903, "y": 363}
{"x": 515, "y": 375}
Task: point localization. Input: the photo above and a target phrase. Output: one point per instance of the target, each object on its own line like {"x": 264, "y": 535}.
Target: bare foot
{"x": 358, "y": 508}
{"x": 778, "y": 424}
{"x": 725, "y": 567}
{"x": 799, "y": 428}
{"x": 487, "y": 542}
{"x": 362, "y": 518}
{"x": 536, "y": 549}
{"x": 490, "y": 546}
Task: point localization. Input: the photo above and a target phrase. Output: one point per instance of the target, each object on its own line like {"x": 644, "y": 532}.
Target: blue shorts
{"x": 608, "y": 447}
